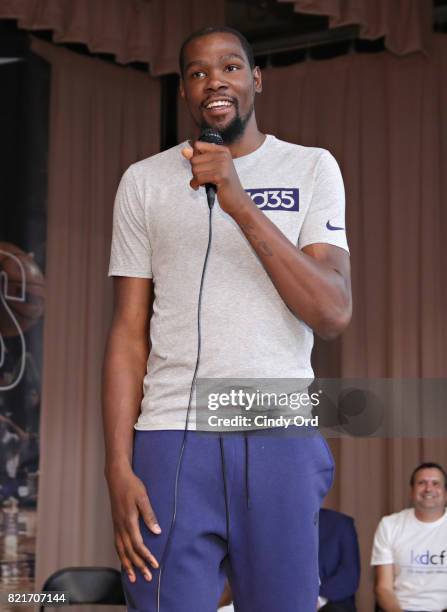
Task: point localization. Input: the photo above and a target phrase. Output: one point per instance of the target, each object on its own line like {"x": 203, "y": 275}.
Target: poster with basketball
{"x": 24, "y": 127}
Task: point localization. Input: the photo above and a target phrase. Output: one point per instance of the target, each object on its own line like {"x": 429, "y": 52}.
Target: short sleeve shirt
{"x": 160, "y": 231}
{"x": 418, "y": 551}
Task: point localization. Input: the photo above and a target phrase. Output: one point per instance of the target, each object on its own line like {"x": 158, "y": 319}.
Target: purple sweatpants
{"x": 261, "y": 530}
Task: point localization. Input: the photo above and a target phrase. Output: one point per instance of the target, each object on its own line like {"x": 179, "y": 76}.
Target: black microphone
{"x": 213, "y": 136}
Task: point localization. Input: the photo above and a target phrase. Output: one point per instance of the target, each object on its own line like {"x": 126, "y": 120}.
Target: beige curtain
{"x": 385, "y": 120}
{"x": 103, "y": 118}
{"x": 149, "y": 31}
{"x": 405, "y": 24}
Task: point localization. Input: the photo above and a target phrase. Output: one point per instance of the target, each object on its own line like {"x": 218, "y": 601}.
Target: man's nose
{"x": 216, "y": 81}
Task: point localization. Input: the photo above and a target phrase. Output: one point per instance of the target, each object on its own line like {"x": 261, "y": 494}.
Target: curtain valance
{"x": 405, "y": 24}
{"x": 149, "y": 31}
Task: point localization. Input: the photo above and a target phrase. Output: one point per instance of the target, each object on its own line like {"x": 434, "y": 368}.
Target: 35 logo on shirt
{"x": 275, "y": 198}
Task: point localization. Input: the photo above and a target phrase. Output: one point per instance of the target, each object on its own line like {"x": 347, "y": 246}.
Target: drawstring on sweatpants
{"x": 227, "y": 509}
{"x": 224, "y": 473}
{"x": 247, "y": 470}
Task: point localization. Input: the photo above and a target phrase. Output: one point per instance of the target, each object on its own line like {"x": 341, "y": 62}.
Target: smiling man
{"x": 410, "y": 548}
{"x": 244, "y": 504}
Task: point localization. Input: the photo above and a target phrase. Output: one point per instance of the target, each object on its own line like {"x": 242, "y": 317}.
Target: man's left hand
{"x": 211, "y": 163}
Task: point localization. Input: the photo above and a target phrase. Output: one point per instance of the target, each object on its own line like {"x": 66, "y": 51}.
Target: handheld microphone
{"x": 213, "y": 136}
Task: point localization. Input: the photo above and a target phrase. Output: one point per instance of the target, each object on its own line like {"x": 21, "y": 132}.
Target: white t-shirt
{"x": 418, "y": 551}
{"x": 160, "y": 231}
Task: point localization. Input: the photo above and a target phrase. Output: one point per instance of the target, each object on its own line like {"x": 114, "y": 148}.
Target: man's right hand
{"x": 124, "y": 369}
{"x": 129, "y": 498}
{"x": 384, "y": 588}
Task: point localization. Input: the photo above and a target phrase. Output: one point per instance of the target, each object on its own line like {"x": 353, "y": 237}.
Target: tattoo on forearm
{"x": 264, "y": 247}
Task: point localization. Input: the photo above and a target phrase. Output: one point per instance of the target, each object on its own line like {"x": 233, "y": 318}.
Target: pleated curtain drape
{"x": 384, "y": 118}
{"x": 406, "y": 25}
{"x": 147, "y": 31}
{"x": 102, "y": 118}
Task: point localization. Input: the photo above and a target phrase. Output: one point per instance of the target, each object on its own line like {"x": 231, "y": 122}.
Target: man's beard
{"x": 234, "y": 130}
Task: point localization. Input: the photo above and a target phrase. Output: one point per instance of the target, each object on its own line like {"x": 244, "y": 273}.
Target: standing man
{"x": 410, "y": 548}
{"x": 278, "y": 269}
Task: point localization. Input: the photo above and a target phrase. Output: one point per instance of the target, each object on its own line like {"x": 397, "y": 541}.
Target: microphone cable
{"x": 185, "y": 432}
{"x": 212, "y": 136}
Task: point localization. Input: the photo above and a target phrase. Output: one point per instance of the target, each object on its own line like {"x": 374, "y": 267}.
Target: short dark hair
{"x": 426, "y": 466}
{"x": 216, "y": 30}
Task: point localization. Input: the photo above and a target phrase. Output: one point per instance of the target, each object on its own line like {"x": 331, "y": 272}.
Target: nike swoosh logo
{"x": 333, "y": 228}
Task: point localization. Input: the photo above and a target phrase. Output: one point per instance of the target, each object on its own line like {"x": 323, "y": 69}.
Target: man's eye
{"x": 198, "y": 74}
{"x": 232, "y": 67}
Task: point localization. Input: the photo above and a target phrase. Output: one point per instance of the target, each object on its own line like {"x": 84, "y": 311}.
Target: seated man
{"x": 410, "y": 548}
{"x": 339, "y": 562}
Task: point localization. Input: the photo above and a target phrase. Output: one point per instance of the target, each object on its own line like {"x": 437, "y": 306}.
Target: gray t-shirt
{"x": 160, "y": 231}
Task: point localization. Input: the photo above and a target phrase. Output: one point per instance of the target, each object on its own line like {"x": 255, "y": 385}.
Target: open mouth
{"x": 218, "y": 106}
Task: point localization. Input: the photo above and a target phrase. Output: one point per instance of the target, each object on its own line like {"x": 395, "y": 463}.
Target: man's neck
{"x": 429, "y": 516}
{"x": 251, "y": 140}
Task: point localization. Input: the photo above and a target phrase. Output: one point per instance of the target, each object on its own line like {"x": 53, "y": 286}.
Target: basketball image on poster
{"x": 22, "y": 294}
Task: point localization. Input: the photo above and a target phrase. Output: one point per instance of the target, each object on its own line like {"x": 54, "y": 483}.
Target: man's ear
{"x": 257, "y": 78}
{"x": 181, "y": 88}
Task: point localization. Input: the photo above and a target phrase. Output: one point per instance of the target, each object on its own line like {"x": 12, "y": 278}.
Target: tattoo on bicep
{"x": 264, "y": 247}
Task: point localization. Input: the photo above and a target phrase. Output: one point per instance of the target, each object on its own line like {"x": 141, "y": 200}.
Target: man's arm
{"x": 345, "y": 581}
{"x": 384, "y": 588}
{"x": 313, "y": 282}
{"x": 123, "y": 372}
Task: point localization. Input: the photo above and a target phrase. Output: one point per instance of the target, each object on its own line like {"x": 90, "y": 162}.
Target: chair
{"x": 87, "y": 585}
